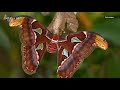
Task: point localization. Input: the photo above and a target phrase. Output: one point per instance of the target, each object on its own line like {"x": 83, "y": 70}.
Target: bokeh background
{"x": 100, "y": 64}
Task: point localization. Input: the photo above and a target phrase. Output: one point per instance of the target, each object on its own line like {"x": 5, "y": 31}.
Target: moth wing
{"x": 43, "y": 37}
{"x": 80, "y": 46}
{"x": 66, "y": 62}
{"x": 29, "y": 59}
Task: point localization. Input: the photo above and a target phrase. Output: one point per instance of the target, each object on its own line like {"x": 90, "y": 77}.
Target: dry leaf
{"x": 72, "y": 22}
{"x": 62, "y": 19}
{"x": 57, "y": 25}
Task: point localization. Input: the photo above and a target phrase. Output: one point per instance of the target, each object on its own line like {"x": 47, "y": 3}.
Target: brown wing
{"x": 69, "y": 64}
{"x": 29, "y": 59}
{"x": 42, "y": 38}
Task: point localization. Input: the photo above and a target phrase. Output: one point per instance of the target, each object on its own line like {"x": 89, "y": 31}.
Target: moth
{"x": 72, "y": 49}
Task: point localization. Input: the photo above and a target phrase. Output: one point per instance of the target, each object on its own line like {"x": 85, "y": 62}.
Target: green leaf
{"x": 4, "y": 40}
{"x": 109, "y": 29}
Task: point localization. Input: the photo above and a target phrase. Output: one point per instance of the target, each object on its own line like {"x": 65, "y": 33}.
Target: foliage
{"x": 100, "y": 64}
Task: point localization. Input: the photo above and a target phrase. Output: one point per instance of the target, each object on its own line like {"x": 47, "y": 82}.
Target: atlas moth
{"x": 72, "y": 49}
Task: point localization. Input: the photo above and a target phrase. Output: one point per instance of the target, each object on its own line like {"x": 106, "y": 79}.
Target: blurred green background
{"x": 100, "y": 64}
